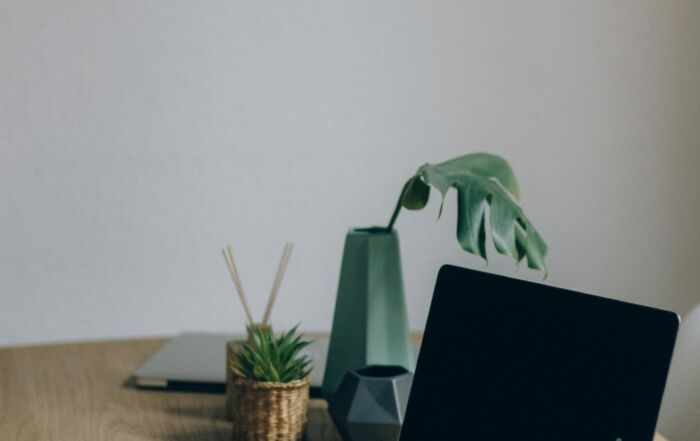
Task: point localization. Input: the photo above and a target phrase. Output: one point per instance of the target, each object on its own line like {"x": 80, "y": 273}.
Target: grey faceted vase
{"x": 370, "y": 403}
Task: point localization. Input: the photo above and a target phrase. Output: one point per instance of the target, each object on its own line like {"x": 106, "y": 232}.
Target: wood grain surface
{"x": 80, "y": 392}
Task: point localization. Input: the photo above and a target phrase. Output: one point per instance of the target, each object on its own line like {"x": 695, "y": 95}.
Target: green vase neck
{"x": 372, "y": 230}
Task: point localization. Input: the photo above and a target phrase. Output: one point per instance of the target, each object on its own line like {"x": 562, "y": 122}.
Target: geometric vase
{"x": 370, "y": 323}
{"x": 370, "y": 403}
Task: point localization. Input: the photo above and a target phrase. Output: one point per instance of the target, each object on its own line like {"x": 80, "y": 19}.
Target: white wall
{"x": 136, "y": 138}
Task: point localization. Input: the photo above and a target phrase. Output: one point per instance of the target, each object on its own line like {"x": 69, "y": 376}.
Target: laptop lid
{"x": 504, "y": 359}
{"x": 196, "y": 360}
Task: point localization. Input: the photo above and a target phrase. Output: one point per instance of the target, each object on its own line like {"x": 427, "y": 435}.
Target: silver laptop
{"x": 199, "y": 359}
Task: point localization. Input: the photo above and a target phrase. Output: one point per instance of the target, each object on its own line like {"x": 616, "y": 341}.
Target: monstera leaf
{"x": 482, "y": 181}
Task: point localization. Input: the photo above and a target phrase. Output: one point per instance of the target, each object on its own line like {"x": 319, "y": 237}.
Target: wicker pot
{"x": 232, "y": 347}
{"x": 269, "y": 411}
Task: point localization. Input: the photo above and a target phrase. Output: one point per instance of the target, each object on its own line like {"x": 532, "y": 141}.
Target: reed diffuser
{"x": 267, "y": 378}
{"x": 236, "y": 278}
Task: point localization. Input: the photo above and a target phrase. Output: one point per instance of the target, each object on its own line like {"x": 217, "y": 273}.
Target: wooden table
{"x": 79, "y": 392}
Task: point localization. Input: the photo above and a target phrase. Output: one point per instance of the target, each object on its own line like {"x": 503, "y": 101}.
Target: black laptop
{"x": 509, "y": 360}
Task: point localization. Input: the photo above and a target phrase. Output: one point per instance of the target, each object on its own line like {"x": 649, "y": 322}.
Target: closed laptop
{"x": 504, "y": 359}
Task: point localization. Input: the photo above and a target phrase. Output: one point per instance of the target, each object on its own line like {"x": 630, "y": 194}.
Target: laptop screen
{"x": 504, "y": 359}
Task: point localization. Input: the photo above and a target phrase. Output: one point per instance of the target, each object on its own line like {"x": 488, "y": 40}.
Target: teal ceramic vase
{"x": 370, "y": 323}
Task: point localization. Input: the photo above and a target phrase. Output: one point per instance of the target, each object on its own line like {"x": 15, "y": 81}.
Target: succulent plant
{"x": 266, "y": 358}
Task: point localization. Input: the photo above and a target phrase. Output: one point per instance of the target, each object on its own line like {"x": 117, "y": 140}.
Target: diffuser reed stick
{"x": 231, "y": 264}
{"x": 278, "y": 281}
{"x": 233, "y": 271}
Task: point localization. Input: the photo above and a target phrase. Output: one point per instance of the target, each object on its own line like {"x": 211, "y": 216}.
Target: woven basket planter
{"x": 269, "y": 411}
{"x": 232, "y": 347}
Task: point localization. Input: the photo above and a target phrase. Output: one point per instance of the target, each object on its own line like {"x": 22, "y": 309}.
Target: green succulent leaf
{"x": 266, "y": 358}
